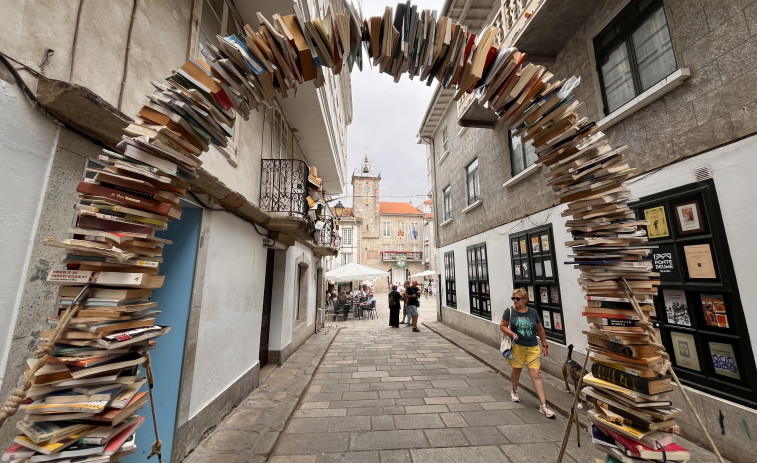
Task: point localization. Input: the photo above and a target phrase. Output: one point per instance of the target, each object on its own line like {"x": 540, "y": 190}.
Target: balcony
{"x": 325, "y": 238}
{"x": 283, "y": 189}
{"x": 541, "y": 27}
{"x": 392, "y": 255}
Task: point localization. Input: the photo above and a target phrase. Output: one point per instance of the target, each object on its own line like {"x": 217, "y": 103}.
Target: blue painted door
{"x": 174, "y": 300}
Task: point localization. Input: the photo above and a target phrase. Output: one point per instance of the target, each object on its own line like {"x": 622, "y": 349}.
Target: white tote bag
{"x": 506, "y": 344}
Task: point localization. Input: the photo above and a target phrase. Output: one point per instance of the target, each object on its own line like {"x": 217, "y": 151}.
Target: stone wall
{"x": 717, "y": 104}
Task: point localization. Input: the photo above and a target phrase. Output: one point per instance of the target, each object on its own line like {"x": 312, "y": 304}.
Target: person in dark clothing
{"x": 394, "y": 307}
{"x": 413, "y": 296}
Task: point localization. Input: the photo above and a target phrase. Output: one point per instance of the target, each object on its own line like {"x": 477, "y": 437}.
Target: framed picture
{"x": 714, "y": 310}
{"x": 526, "y": 272}
{"x": 658, "y": 224}
{"x": 535, "y": 244}
{"x": 544, "y": 243}
{"x": 699, "y": 261}
{"x": 548, "y": 269}
{"x": 531, "y": 293}
{"x": 544, "y": 295}
{"x": 515, "y": 248}
{"x": 685, "y": 350}
{"x": 676, "y": 308}
{"x": 516, "y": 267}
{"x": 723, "y": 360}
{"x": 558, "y": 321}
{"x": 537, "y": 269}
{"x": 523, "y": 248}
{"x": 689, "y": 218}
{"x": 554, "y": 295}
{"x": 546, "y": 319}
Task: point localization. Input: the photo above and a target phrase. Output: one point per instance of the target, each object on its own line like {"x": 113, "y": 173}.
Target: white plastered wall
{"x": 733, "y": 168}
{"x": 228, "y": 339}
{"x": 26, "y": 157}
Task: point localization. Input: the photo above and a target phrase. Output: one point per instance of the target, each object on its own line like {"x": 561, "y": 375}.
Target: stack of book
{"x": 83, "y": 402}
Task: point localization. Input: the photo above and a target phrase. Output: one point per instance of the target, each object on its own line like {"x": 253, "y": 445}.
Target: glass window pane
{"x": 616, "y": 75}
{"x": 654, "y": 50}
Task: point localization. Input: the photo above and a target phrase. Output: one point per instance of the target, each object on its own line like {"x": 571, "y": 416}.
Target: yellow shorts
{"x": 525, "y": 357}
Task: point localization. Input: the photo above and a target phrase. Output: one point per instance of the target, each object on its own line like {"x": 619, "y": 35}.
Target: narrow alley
{"x": 377, "y": 394}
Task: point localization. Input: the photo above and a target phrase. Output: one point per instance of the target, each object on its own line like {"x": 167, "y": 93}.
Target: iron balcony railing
{"x": 283, "y": 187}
{"x": 392, "y": 255}
{"x": 326, "y": 236}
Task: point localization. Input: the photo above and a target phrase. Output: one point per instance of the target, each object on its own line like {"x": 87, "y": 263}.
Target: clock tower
{"x": 365, "y": 199}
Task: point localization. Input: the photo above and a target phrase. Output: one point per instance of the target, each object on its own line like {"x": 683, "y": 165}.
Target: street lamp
{"x": 339, "y": 210}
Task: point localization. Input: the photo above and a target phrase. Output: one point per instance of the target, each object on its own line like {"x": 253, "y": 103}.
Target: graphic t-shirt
{"x": 524, "y": 325}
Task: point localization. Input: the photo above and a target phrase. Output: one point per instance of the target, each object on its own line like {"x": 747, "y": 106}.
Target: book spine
{"x": 620, "y": 378}
{"x": 123, "y": 198}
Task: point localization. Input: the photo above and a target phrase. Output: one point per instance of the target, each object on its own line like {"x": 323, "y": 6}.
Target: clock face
{"x": 367, "y": 188}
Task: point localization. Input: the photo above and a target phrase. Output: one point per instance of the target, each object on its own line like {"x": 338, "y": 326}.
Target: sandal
{"x": 416, "y": 330}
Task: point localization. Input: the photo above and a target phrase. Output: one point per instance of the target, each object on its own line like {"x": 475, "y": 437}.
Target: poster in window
{"x": 723, "y": 360}
{"x": 537, "y": 269}
{"x": 658, "y": 224}
{"x": 517, "y": 269}
{"x": 554, "y": 295}
{"x": 558, "y": 321}
{"x": 546, "y": 320}
{"x": 526, "y": 273}
{"x": 699, "y": 261}
{"x": 530, "y": 293}
{"x": 544, "y": 295}
{"x": 523, "y": 248}
{"x": 664, "y": 261}
{"x": 548, "y": 269}
{"x": 685, "y": 350}
{"x": 675, "y": 307}
{"x": 544, "y": 243}
{"x": 515, "y": 248}
{"x": 689, "y": 218}
{"x": 714, "y": 310}
{"x": 535, "y": 244}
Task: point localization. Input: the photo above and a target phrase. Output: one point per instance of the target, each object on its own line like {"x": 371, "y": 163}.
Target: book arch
{"x": 198, "y": 105}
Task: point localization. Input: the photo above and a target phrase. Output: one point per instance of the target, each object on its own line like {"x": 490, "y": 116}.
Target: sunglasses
{"x": 517, "y": 298}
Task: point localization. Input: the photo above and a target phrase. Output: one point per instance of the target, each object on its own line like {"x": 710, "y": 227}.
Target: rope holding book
{"x": 668, "y": 367}
{"x": 43, "y": 353}
{"x": 158, "y": 444}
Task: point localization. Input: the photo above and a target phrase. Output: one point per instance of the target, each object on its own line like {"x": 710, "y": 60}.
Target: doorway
{"x": 174, "y": 301}
{"x": 265, "y": 325}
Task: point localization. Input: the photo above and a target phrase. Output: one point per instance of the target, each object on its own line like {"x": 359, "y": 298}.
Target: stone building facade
{"x": 385, "y": 235}
{"x": 689, "y": 122}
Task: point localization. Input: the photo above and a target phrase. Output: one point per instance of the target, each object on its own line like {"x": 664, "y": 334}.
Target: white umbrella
{"x": 425, "y": 273}
{"x": 354, "y": 271}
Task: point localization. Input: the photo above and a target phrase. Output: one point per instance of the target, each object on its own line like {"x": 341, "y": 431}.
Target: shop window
{"x": 478, "y": 282}
{"x": 450, "y": 289}
{"x": 698, "y": 306}
{"x": 534, "y": 268}
{"x": 633, "y": 52}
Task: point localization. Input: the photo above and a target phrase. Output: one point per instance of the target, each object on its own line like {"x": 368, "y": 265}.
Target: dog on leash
{"x": 571, "y": 370}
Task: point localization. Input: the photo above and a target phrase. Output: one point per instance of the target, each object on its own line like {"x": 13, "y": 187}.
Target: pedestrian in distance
{"x": 403, "y": 293}
{"x": 413, "y": 296}
{"x": 394, "y": 307}
{"x": 426, "y": 284}
{"x": 523, "y": 325}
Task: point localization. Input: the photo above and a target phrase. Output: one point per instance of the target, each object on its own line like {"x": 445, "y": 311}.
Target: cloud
{"x": 386, "y": 118}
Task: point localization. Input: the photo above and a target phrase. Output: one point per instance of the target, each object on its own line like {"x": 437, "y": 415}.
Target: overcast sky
{"x": 386, "y": 121}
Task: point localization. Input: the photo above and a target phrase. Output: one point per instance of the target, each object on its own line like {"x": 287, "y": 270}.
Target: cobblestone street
{"x": 390, "y": 395}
